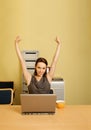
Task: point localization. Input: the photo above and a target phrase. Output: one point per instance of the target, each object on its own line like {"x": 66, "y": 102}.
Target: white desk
{"x": 68, "y": 118}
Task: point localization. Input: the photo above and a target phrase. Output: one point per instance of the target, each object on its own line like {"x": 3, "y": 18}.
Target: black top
{"x": 39, "y": 87}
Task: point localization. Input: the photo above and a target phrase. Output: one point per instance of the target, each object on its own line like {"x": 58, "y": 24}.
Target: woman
{"x": 40, "y": 81}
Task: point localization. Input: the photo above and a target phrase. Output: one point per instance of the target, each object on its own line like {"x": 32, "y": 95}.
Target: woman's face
{"x": 40, "y": 68}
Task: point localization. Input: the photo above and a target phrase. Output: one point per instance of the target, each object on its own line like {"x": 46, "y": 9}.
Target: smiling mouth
{"x": 40, "y": 73}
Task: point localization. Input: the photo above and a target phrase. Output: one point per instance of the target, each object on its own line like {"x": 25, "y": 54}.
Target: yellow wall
{"x": 38, "y": 22}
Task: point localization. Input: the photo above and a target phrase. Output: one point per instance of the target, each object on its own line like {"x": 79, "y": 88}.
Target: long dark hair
{"x": 41, "y": 59}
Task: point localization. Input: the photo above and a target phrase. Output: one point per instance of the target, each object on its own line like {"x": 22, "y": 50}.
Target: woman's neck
{"x": 38, "y": 77}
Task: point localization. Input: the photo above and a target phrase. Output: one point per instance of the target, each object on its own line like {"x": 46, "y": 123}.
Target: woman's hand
{"x": 18, "y": 39}
{"x": 58, "y": 40}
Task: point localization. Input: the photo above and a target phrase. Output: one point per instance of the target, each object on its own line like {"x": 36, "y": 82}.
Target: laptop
{"x": 38, "y": 103}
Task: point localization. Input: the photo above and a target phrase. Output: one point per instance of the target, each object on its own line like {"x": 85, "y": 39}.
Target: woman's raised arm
{"x": 54, "y": 60}
{"x": 27, "y": 75}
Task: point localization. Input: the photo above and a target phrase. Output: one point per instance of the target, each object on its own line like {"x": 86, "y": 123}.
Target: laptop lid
{"x": 42, "y": 103}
